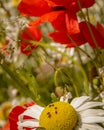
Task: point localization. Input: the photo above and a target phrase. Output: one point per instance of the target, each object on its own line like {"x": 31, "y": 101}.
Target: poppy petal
{"x": 100, "y": 28}
{"x": 87, "y": 35}
{"x": 56, "y": 18}
{"x": 87, "y": 3}
{"x": 34, "y": 7}
{"x": 60, "y": 20}
{"x": 59, "y": 2}
{"x": 72, "y": 24}
{"x": 13, "y": 117}
{"x": 64, "y": 39}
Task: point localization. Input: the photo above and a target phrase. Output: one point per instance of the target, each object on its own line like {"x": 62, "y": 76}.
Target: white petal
{"x": 28, "y": 124}
{"x": 92, "y": 119}
{"x": 92, "y": 112}
{"x": 88, "y": 105}
{"x": 33, "y": 111}
{"x": 66, "y": 97}
{"x": 92, "y": 127}
{"x": 76, "y": 102}
{"x": 36, "y": 107}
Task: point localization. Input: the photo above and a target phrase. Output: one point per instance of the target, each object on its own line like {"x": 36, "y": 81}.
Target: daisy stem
{"x": 70, "y": 58}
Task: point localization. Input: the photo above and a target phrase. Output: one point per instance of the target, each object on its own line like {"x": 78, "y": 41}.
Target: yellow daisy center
{"x": 58, "y": 116}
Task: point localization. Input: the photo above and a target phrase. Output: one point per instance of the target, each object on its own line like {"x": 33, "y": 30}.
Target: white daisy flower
{"x": 80, "y": 114}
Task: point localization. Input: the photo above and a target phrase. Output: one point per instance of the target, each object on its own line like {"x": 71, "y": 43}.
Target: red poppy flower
{"x": 63, "y": 38}
{"x": 80, "y": 38}
{"x": 87, "y": 35}
{"x": 25, "y": 117}
{"x": 29, "y": 33}
{"x": 16, "y": 111}
{"x": 62, "y": 14}
{"x": 13, "y": 117}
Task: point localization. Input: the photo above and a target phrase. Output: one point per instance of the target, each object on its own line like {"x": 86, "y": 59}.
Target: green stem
{"x": 56, "y": 84}
{"x": 69, "y": 57}
{"x": 55, "y": 76}
{"x": 88, "y": 18}
{"x": 22, "y": 87}
{"x": 72, "y": 40}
